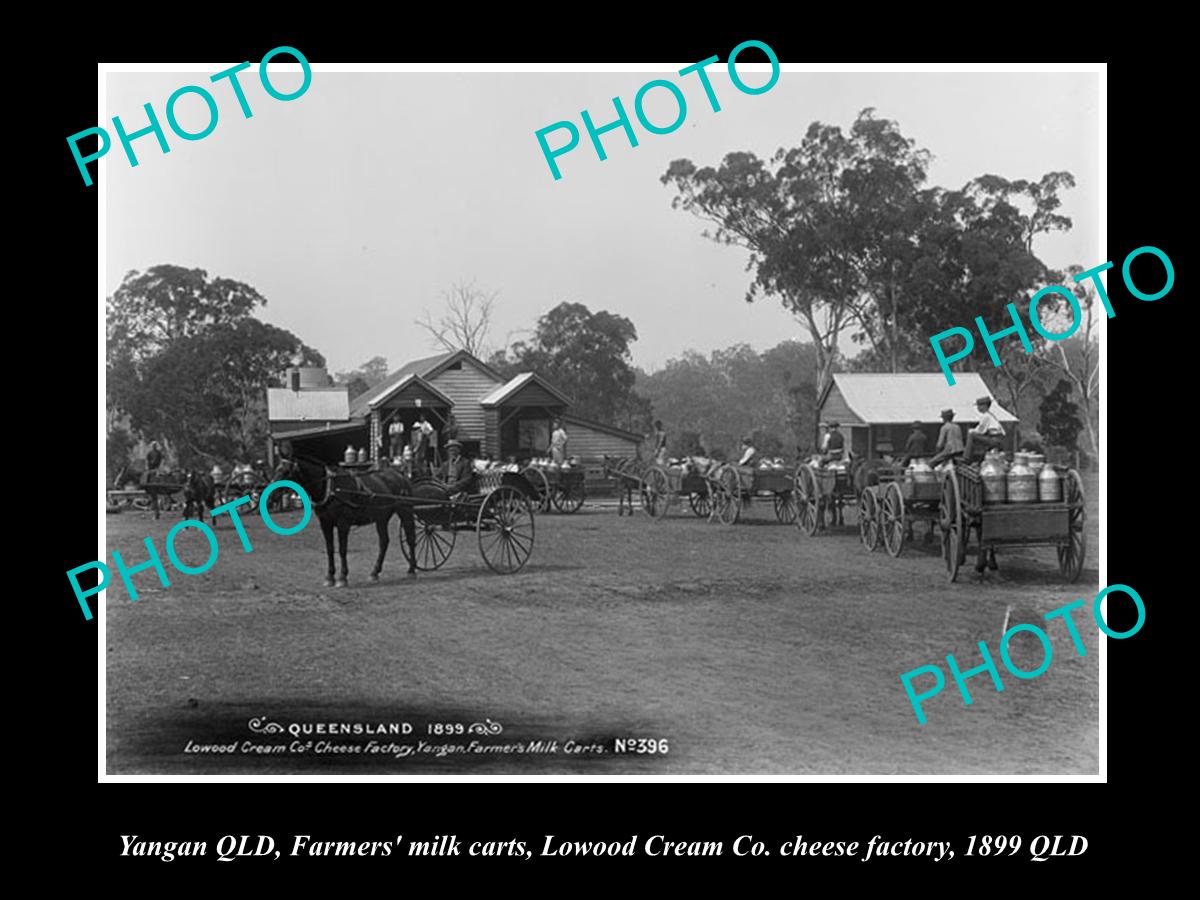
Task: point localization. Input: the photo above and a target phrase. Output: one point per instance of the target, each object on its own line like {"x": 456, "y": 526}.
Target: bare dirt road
{"x": 749, "y": 649}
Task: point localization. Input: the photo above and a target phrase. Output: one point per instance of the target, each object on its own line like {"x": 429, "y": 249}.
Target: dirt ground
{"x": 750, "y": 649}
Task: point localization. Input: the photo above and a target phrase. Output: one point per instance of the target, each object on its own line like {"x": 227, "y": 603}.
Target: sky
{"x": 353, "y": 207}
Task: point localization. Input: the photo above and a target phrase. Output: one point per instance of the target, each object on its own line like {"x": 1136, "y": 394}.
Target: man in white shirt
{"x": 749, "y": 454}
{"x": 396, "y": 437}
{"x": 988, "y": 434}
{"x": 558, "y": 443}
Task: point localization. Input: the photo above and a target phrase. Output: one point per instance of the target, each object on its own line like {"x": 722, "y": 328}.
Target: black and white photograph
{"x": 743, "y": 422}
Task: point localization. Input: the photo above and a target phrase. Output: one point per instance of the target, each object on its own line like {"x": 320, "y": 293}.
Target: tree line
{"x": 843, "y": 230}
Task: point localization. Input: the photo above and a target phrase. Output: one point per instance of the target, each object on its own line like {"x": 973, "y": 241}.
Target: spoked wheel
{"x": 505, "y": 529}
{"x": 727, "y": 504}
{"x": 1072, "y": 554}
{"x": 656, "y": 493}
{"x": 785, "y": 507}
{"x": 950, "y": 518}
{"x": 868, "y": 518}
{"x": 700, "y": 503}
{"x": 891, "y": 519}
{"x": 539, "y": 482}
{"x": 434, "y": 544}
{"x": 569, "y": 496}
{"x": 808, "y": 500}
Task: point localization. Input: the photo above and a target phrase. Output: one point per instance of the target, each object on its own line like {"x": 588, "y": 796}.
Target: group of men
{"x": 423, "y": 446}
{"x": 987, "y": 434}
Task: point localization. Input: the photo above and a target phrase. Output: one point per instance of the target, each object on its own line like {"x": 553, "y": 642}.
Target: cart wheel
{"x": 700, "y": 503}
{"x": 539, "y": 482}
{"x": 505, "y": 529}
{"x": 785, "y": 507}
{"x": 1072, "y": 554}
{"x": 434, "y": 544}
{"x": 868, "y": 518}
{"x": 569, "y": 496}
{"x": 656, "y": 493}
{"x": 950, "y": 518}
{"x": 727, "y": 502}
{"x": 892, "y": 519}
{"x": 808, "y": 500}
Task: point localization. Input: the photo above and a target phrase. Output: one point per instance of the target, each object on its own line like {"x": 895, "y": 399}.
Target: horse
{"x": 343, "y": 500}
{"x": 199, "y": 491}
{"x": 628, "y": 474}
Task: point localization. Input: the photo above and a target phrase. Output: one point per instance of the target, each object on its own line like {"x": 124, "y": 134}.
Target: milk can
{"x": 1037, "y": 461}
{"x": 992, "y": 471}
{"x": 1049, "y": 485}
{"x": 1022, "y": 483}
{"x": 920, "y": 472}
{"x": 362, "y": 454}
{"x": 351, "y": 455}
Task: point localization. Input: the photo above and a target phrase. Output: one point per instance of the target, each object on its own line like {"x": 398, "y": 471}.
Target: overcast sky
{"x": 354, "y": 206}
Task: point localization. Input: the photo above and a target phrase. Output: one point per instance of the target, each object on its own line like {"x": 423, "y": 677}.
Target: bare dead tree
{"x": 465, "y": 321}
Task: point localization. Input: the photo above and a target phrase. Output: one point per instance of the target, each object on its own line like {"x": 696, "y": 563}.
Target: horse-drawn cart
{"x": 962, "y": 510}
{"x": 732, "y": 486}
{"x": 500, "y": 512}
{"x": 558, "y": 487}
{"x": 819, "y": 488}
{"x": 901, "y": 496}
{"x": 662, "y": 485}
{"x": 152, "y": 495}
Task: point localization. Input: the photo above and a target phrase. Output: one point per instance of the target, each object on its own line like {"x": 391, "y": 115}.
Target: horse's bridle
{"x": 291, "y": 466}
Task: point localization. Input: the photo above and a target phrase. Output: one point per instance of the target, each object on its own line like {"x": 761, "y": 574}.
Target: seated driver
{"x": 456, "y": 472}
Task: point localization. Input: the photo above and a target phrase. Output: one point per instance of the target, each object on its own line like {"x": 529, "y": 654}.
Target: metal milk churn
{"x": 992, "y": 471}
{"x": 921, "y": 472}
{"x": 1022, "y": 483}
{"x": 1037, "y": 462}
{"x": 1049, "y": 485}
{"x": 350, "y": 455}
{"x": 362, "y": 454}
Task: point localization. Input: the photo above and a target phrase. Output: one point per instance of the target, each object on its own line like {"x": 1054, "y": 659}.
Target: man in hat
{"x": 835, "y": 447}
{"x": 988, "y": 434}
{"x": 456, "y": 472}
{"x": 949, "y": 440}
{"x": 749, "y": 453}
{"x": 914, "y": 447}
{"x": 823, "y": 438}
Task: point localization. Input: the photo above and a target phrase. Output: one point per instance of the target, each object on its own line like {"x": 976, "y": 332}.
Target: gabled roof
{"x": 321, "y": 404}
{"x": 894, "y": 398}
{"x": 371, "y": 398}
{"x": 511, "y": 388}
{"x": 427, "y": 368}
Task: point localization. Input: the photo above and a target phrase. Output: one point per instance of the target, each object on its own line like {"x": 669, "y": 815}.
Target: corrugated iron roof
{"x": 373, "y": 397}
{"x": 427, "y": 367}
{"x": 324, "y": 404}
{"x": 909, "y": 397}
{"x": 507, "y": 390}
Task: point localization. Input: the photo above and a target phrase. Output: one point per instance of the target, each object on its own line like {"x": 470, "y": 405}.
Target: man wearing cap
{"x": 914, "y": 447}
{"x": 456, "y": 472}
{"x": 988, "y": 434}
{"x": 949, "y": 440}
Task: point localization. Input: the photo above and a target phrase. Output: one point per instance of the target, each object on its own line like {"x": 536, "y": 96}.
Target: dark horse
{"x": 343, "y": 500}
{"x": 200, "y": 492}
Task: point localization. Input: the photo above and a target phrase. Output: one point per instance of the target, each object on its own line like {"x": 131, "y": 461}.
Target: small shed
{"x": 517, "y": 416}
{"x": 876, "y": 411}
